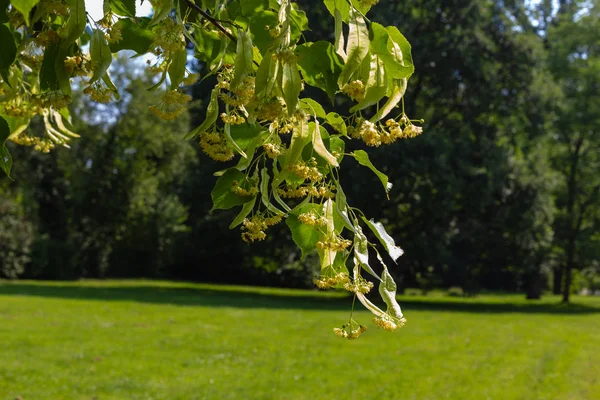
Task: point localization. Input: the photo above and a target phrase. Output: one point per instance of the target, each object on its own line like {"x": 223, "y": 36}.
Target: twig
{"x": 213, "y": 21}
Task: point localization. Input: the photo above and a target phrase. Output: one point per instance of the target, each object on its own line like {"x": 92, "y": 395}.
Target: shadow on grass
{"x": 273, "y": 298}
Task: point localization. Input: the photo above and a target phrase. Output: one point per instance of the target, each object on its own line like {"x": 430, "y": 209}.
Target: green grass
{"x": 157, "y": 340}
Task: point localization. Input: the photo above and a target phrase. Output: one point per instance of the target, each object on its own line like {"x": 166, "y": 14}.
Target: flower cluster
{"x": 232, "y": 118}
{"x": 375, "y": 135}
{"x": 215, "y": 146}
{"x": 253, "y": 229}
{"x": 348, "y": 331}
{"x": 354, "y": 89}
{"x": 307, "y": 170}
{"x": 53, "y": 99}
{"x": 359, "y": 285}
{"x": 325, "y": 282}
{"x": 99, "y": 92}
{"x": 46, "y": 38}
{"x": 168, "y": 37}
{"x": 334, "y": 243}
{"x": 389, "y": 323}
{"x": 41, "y": 145}
{"x": 324, "y": 191}
{"x": 172, "y": 105}
{"x": 312, "y": 219}
{"x": 273, "y": 150}
{"x": 240, "y": 191}
{"x": 78, "y": 65}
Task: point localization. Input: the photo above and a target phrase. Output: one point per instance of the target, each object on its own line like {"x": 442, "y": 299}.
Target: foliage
{"x": 16, "y": 236}
{"x": 182, "y": 341}
{"x": 290, "y": 148}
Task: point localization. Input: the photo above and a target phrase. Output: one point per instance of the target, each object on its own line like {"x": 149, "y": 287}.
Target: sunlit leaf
{"x": 386, "y": 240}
{"x": 363, "y": 159}
{"x": 125, "y": 8}
{"x": 357, "y": 47}
{"x": 223, "y": 196}
{"x": 320, "y": 65}
{"x": 100, "y": 54}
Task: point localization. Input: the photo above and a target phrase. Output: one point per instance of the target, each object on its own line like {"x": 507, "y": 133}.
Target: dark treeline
{"x": 500, "y": 193}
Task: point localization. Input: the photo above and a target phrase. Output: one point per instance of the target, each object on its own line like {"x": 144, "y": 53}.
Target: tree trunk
{"x": 557, "y": 279}
{"x": 569, "y": 269}
{"x": 534, "y": 286}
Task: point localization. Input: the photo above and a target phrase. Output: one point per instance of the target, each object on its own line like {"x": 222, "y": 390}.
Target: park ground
{"x": 160, "y": 340}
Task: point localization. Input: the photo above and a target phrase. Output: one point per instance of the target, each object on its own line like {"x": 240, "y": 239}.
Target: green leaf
{"x": 312, "y": 107}
{"x": 222, "y": 194}
{"x": 243, "y": 58}
{"x": 260, "y": 36}
{"x": 246, "y": 209}
{"x": 320, "y": 65}
{"x": 299, "y": 23}
{"x": 8, "y": 51}
{"x": 109, "y": 83}
{"x": 319, "y": 146}
{"x": 391, "y": 52}
{"x": 376, "y": 87}
{"x": 63, "y": 77}
{"x": 100, "y": 55}
{"x": 339, "y": 40}
{"x": 48, "y": 79}
{"x": 386, "y": 240}
{"x": 135, "y": 34}
{"x": 363, "y": 159}
{"x": 300, "y": 138}
{"x": 24, "y": 7}
{"x": 232, "y": 142}
{"x": 398, "y": 41}
{"x": 337, "y": 145}
{"x": 266, "y": 75}
{"x": 341, "y": 5}
{"x": 398, "y": 91}
{"x": 305, "y": 236}
{"x": 208, "y": 45}
{"x": 212, "y": 113}
{"x": 248, "y": 136}
{"x": 5, "y": 157}
{"x": 341, "y": 209}
{"x": 357, "y": 47}
{"x": 75, "y": 24}
{"x": 161, "y": 12}
{"x": 177, "y": 68}
{"x": 291, "y": 85}
{"x": 264, "y": 192}
{"x": 336, "y": 122}
{"x": 125, "y": 8}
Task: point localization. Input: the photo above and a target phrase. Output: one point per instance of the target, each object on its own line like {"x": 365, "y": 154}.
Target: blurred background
{"x": 501, "y": 192}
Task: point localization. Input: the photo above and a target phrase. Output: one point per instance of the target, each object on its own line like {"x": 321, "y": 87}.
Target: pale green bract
{"x": 288, "y": 147}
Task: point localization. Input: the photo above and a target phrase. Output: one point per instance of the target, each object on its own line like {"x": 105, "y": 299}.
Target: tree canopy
{"x": 288, "y": 147}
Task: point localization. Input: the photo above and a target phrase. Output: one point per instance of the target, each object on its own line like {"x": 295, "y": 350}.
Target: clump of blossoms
{"x": 389, "y": 323}
{"x": 351, "y": 330}
{"x": 172, "y": 105}
{"x": 254, "y": 228}
{"x": 215, "y": 146}
{"x": 376, "y": 134}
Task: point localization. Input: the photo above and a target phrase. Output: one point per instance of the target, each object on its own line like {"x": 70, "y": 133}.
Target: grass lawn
{"x": 156, "y": 340}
